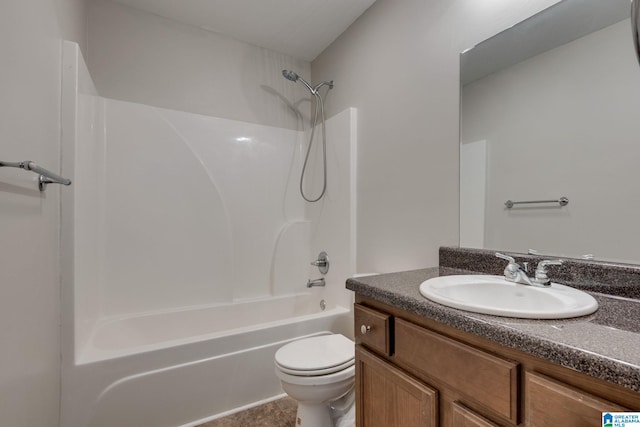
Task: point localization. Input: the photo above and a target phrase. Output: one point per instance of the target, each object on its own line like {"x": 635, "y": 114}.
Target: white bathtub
{"x": 181, "y": 368}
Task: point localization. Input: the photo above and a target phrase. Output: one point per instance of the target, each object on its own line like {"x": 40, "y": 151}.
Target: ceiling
{"x": 299, "y": 28}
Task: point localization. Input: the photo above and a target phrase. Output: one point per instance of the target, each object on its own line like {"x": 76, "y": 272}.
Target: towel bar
{"x": 46, "y": 177}
{"x": 562, "y": 201}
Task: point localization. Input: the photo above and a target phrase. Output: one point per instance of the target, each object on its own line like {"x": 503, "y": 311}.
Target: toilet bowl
{"x": 318, "y": 372}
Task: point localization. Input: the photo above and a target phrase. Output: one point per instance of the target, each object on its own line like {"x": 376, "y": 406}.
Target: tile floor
{"x": 279, "y": 413}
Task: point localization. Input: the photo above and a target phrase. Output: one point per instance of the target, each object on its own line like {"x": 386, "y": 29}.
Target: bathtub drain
{"x": 323, "y": 305}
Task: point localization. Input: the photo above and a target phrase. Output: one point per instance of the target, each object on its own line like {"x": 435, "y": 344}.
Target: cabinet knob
{"x": 364, "y": 329}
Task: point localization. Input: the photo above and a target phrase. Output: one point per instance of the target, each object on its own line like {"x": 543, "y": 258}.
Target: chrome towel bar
{"x": 45, "y": 177}
{"x": 562, "y": 201}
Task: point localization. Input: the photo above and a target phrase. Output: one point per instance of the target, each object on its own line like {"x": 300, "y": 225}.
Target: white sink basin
{"x": 494, "y": 295}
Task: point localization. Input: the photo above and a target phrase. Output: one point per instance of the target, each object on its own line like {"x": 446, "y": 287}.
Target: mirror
{"x": 550, "y": 108}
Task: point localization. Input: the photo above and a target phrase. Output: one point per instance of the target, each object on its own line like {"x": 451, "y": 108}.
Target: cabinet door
{"x": 463, "y": 417}
{"x": 551, "y": 403}
{"x": 388, "y": 397}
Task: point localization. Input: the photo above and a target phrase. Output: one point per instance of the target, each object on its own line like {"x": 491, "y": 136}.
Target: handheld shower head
{"x": 319, "y": 105}
{"x": 290, "y": 75}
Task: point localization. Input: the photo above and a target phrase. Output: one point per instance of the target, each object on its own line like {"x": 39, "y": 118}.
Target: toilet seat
{"x": 318, "y": 380}
{"x": 316, "y": 372}
{"x": 316, "y": 356}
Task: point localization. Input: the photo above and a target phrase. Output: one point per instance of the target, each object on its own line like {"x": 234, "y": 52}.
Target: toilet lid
{"x": 316, "y": 355}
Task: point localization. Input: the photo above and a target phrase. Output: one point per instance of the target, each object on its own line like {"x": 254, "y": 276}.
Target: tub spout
{"x": 317, "y": 282}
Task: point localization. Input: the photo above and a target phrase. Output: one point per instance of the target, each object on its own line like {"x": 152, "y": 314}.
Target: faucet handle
{"x": 541, "y": 271}
{"x": 322, "y": 262}
{"x": 512, "y": 269}
{"x": 513, "y": 272}
{"x": 542, "y": 265}
{"x": 506, "y": 258}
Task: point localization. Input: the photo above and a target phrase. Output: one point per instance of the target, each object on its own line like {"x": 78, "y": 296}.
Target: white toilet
{"x": 318, "y": 372}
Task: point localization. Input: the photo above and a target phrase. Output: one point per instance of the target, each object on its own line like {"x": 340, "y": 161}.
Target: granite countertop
{"x": 605, "y": 344}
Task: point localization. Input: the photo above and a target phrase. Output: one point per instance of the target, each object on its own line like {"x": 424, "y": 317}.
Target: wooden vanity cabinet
{"x": 414, "y": 372}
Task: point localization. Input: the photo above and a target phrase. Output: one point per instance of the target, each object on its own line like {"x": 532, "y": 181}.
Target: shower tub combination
{"x": 176, "y": 292}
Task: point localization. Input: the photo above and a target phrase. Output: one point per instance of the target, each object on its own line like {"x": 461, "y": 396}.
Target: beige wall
{"x": 140, "y": 57}
{"x": 30, "y": 42}
{"x": 398, "y": 64}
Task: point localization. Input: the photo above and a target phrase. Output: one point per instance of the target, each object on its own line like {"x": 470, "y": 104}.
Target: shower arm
{"x": 319, "y": 85}
{"x": 45, "y": 177}
{"x": 304, "y": 82}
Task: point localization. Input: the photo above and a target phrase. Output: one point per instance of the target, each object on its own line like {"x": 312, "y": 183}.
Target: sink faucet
{"x": 513, "y": 272}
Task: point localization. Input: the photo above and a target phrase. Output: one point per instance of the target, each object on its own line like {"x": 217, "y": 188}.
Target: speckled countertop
{"x": 605, "y": 345}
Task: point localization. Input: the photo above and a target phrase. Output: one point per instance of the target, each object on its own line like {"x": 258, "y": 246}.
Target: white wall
{"x": 563, "y": 123}
{"x": 139, "y": 57}
{"x": 473, "y": 191}
{"x": 30, "y": 43}
{"x": 399, "y": 65}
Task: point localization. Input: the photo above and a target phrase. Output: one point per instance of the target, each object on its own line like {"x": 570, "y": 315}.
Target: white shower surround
{"x": 186, "y": 233}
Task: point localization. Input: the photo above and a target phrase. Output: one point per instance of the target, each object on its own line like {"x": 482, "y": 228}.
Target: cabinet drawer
{"x": 549, "y": 402}
{"x": 486, "y": 379}
{"x": 373, "y": 329}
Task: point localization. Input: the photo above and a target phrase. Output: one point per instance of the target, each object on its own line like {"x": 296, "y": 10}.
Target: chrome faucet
{"x": 316, "y": 282}
{"x": 513, "y": 272}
